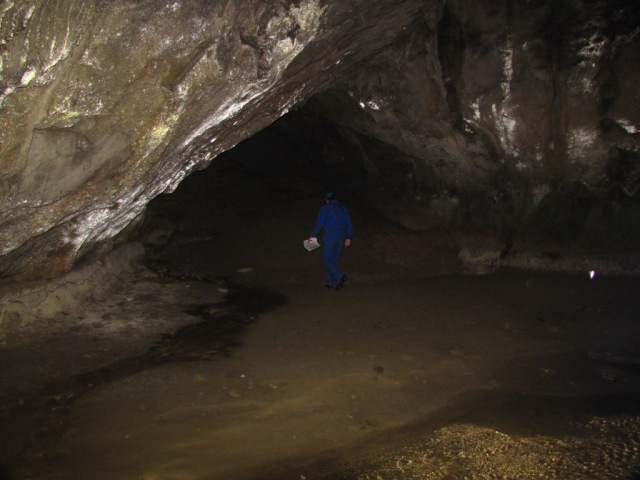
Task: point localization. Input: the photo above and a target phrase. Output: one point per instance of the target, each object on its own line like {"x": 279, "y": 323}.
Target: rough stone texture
{"x": 516, "y": 119}
{"x": 89, "y": 283}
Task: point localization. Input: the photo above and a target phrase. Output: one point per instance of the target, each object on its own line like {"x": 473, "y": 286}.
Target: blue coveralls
{"x": 335, "y": 221}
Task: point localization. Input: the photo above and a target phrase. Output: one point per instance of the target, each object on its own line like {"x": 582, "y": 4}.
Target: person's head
{"x": 329, "y": 196}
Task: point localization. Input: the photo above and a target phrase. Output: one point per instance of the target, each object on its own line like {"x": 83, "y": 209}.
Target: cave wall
{"x": 108, "y": 104}
{"x": 518, "y": 118}
{"x": 460, "y": 114}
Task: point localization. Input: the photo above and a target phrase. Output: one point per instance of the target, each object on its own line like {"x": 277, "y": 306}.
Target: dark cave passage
{"x": 401, "y": 201}
{"x": 253, "y": 206}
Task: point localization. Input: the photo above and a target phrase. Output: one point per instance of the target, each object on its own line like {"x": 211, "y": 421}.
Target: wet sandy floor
{"x": 508, "y": 375}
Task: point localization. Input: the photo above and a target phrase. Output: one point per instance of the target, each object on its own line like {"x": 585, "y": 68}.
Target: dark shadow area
{"x": 288, "y": 167}
{"x": 4, "y": 474}
{"x": 219, "y": 333}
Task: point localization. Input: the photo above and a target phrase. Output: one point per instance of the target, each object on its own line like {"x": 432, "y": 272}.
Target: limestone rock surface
{"x": 513, "y": 117}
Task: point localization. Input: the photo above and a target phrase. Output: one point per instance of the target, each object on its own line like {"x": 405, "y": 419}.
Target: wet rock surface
{"x": 515, "y": 120}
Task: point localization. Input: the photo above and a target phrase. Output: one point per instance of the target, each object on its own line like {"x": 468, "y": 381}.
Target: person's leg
{"x": 330, "y": 256}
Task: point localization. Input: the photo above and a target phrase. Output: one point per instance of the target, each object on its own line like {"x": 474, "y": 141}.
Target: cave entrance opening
{"x": 253, "y": 206}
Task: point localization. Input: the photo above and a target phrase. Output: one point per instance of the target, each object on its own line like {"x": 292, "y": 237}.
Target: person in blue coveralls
{"x": 334, "y": 220}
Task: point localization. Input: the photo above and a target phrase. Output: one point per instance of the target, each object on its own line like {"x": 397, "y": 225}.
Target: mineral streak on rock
{"x": 92, "y": 132}
{"x": 105, "y": 105}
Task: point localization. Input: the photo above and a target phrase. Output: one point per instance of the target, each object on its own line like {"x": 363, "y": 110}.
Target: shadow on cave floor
{"x": 217, "y": 333}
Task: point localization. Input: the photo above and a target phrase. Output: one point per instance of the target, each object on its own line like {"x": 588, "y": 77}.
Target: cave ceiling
{"x": 510, "y": 116}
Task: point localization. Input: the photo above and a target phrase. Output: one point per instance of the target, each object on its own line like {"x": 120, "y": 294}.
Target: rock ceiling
{"x": 511, "y": 116}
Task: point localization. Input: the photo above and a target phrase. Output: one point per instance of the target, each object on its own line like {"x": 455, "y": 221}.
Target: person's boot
{"x": 341, "y": 282}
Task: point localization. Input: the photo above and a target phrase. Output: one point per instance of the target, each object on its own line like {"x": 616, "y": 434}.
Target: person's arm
{"x": 349, "y": 228}
{"x": 319, "y": 223}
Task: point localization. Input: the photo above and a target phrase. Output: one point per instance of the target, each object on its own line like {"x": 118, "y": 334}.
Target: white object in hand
{"x": 311, "y": 244}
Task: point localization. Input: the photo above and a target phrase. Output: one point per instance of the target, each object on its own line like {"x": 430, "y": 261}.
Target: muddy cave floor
{"x": 242, "y": 366}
